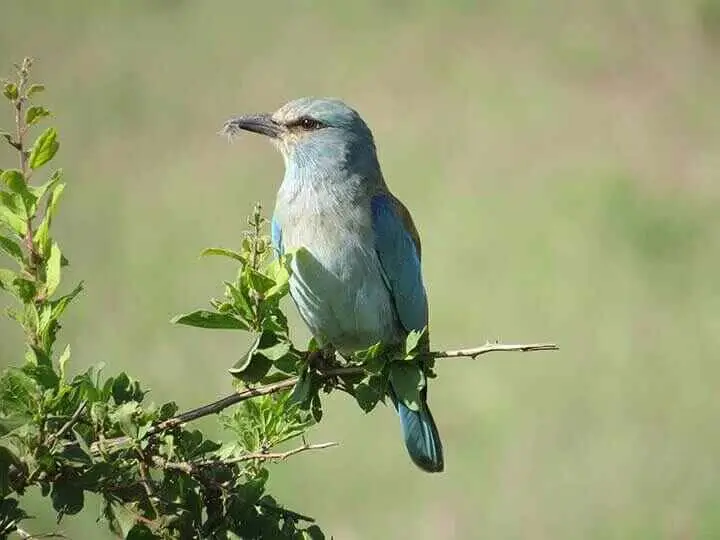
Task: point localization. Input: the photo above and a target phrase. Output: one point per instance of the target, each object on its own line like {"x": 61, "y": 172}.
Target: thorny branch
{"x": 22, "y": 533}
{"x": 237, "y": 397}
{"x": 189, "y": 467}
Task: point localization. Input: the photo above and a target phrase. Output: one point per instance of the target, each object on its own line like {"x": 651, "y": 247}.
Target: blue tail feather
{"x": 421, "y": 437}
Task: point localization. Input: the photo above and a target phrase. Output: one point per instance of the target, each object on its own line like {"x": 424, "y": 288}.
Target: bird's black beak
{"x": 257, "y": 123}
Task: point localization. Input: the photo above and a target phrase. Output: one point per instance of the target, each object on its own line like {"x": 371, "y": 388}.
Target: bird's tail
{"x": 422, "y": 439}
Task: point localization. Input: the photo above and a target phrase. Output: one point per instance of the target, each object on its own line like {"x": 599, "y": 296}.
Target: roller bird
{"x": 362, "y": 281}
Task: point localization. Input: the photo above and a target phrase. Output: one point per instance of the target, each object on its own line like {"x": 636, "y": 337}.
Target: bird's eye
{"x": 309, "y": 124}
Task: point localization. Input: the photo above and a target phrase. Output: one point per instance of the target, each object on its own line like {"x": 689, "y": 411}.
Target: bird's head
{"x": 313, "y": 133}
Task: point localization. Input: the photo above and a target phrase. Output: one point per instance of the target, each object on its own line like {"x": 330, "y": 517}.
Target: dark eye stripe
{"x": 306, "y": 123}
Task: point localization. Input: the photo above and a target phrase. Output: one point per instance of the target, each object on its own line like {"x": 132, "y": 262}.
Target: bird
{"x": 362, "y": 281}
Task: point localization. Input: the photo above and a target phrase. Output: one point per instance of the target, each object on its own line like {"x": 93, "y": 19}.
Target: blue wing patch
{"x": 400, "y": 263}
{"x": 276, "y": 235}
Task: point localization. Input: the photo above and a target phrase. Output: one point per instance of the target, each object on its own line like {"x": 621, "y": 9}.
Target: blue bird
{"x": 362, "y": 282}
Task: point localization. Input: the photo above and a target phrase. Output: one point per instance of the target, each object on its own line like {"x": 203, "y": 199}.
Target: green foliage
{"x": 252, "y": 302}
{"x": 70, "y": 435}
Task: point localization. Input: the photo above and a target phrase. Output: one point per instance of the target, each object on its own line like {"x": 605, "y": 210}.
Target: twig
{"x": 146, "y": 482}
{"x": 223, "y": 403}
{"x": 232, "y": 399}
{"x": 495, "y": 347}
{"x": 194, "y": 414}
{"x": 69, "y": 424}
{"x": 237, "y": 397}
{"x": 22, "y": 533}
{"x": 189, "y": 466}
{"x": 286, "y": 513}
{"x": 21, "y": 129}
{"x": 265, "y": 456}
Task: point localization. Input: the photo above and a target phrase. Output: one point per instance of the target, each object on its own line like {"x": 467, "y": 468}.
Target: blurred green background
{"x": 562, "y": 162}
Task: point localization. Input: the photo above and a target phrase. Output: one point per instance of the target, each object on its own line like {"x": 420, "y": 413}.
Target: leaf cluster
{"x": 251, "y": 303}
{"x": 68, "y": 435}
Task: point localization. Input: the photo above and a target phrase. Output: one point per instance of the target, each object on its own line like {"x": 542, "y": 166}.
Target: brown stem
{"x": 188, "y": 466}
{"x": 237, "y": 397}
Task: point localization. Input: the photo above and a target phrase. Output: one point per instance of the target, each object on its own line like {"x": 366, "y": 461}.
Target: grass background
{"x": 562, "y": 162}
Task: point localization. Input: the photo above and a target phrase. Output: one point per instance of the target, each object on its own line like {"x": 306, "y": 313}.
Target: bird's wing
{"x": 398, "y": 247}
{"x": 276, "y": 236}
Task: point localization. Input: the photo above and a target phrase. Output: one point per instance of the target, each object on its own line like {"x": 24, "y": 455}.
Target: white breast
{"x": 338, "y": 289}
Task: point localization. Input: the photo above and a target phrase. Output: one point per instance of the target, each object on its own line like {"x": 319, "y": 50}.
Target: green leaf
{"x": 40, "y": 191}
{"x": 24, "y": 201}
{"x": 373, "y": 358}
{"x": 10, "y": 515}
{"x": 11, "y": 422}
{"x": 36, "y": 355}
{"x": 7, "y": 277}
{"x": 13, "y": 221}
{"x": 205, "y": 447}
{"x": 10, "y": 91}
{"x": 302, "y": 392}
{"x": 140, "y": 531}
{"x": 52, "y": 269}
{"x": 84, "y": 445}
{"x": 11, "y": 202}
{"x": 8, "y": 460}
{"x": 316, "y": 407}
{"x": 11, "y": 248}
{"x": 254, "y": 365}
{"x": 257, "y": 281}
{"x": 413, "y": 341}
{"x": 67, "y": 498}
{"x": 378, "y": 383}
{"x": 168, "y": 410}
{"x": 125, "y": 389}
{"x": 313, "y": 532}
{"x": 313, "y": 345}
{"x": 208, "y": 319}
{"x": 19, "y": 393}
{"x": 275, "y": 377}
{"x": 12, "y": 213}
{"x": 44, "y": 149}
{"x": 254, "y": 371}
{"x": 60, "y": 305}
{"x": 98, "y": 412}
{"x": 124, "y": 416}
{"x": 288, "y": 363}
{"x": 278, "y": 271}
{"x": 253, "y": 489}
{"x": 35, "y": 113}
{"x": 62, "y": 361}
{"x": 276, "y": 351}
{"x": 31, "y": 317}
{"x": 87, "y": 384}
{"x": 34, "y": 89}
{"x": 241, "y": 302}
{"x": 366, "y": 397}
{"x": 407, "y": 380}
{"x": 43, "y": 374}
{"x": 14, "y": 180}
{"x": 222, "y": 252}
{"x": 42, "y": 236}
{"x": 24, "y": 289}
